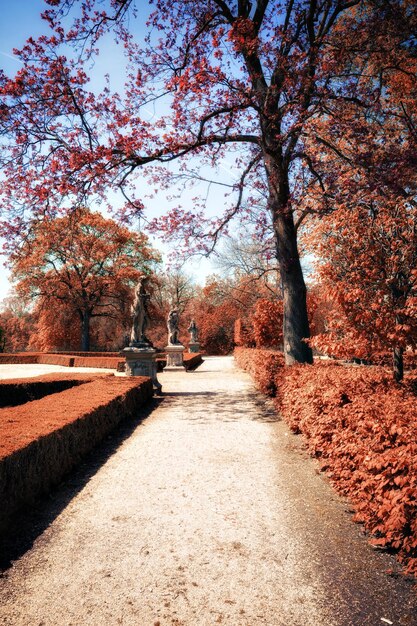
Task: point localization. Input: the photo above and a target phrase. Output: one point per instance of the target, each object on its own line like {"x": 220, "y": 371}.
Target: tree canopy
{"x": 277, "y": 88}
{"x": 83, "y": 263}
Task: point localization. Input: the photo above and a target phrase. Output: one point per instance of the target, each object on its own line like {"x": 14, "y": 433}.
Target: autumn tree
{"x": 219, "y": 304}
{"x": 366, "y": 146}
{"x": 84, "y": 261}
{"x": 241, "y": 80}
{"x": 16, "y": 323}
{"x": 57, "y": 326}
{"x": 369, "y": 265}
{"x": 215, "y": 311}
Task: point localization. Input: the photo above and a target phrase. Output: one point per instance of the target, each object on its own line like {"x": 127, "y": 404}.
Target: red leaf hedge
{"x": 42, "y": 440}
{"x": 98, "y": 361}
{"x": 262, "y": 365}
{"x": 362, "y": 426}
{"x": 15, "y": 391}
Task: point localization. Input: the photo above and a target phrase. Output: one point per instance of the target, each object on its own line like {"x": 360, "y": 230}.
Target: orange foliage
{"x": 369, "y": 270}
{"x": 362, "y": 427}
{"x": 57, "y": 326}
{"x": 267, "y": 323}
{"x": 243, "y": 333}
{"x": 263, "y": 365}
{"x": 79, "y": 267}
{"x": 16, "y": 331}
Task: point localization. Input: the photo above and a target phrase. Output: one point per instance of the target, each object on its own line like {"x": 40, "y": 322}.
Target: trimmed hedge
{"x": 18, "y": 358}
{"x": 56, "y": 359}
{"x": 192, "y": 359}
{"x": 42, "y": 440}
{"x": 15, "y": 391}
{"x": 111, "y": 360}
{"x": 89, "y": 354}
{"x": 262, "y": 365}
{"x": 107, "y": 360}
{"x": 362, "y": 427}
{"x": 98, "y": 361}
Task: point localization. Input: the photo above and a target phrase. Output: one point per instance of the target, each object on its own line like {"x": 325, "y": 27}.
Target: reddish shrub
{"x": 56, "y": 359}
{"x": 98, "y": 361}
{"x": 110, "y": 360}
{"x": 15, "y": 391}
{"x": 18, "y": 358}
{"x": 192, "y": 359}
{"x": 262, "y": 365}
{"x": 267, "y": 323}
{"x": 362, "y": 427}
{"x": 243, "y": 334}
{"x": 89, "y": 354}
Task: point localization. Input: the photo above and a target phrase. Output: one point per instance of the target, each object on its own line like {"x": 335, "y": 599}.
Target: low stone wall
{"x": 42, "y": 440}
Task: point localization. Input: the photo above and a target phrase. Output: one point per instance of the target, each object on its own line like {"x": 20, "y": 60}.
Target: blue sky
{"x": 21, "y": 19}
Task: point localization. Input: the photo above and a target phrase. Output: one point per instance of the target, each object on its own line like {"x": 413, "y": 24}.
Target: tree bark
{"x": 398, "y": 363}
{"x": 85, "y": 331}
{"x": 295, "y": 320}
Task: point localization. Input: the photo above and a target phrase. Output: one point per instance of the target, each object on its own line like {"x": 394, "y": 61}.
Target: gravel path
{"x": 207, "y": 512}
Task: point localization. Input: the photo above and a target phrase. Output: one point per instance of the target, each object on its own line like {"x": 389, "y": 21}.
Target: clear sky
{"x": 21, "y": 19}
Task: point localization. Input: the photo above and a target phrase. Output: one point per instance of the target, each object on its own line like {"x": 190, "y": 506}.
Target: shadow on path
{"x": 224, "y": 407}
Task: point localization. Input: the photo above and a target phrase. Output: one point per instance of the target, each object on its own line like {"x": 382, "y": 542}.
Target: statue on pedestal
{"x": 139, "y": 354}
{"x": 140, "y": 314}
{"x": 173, "y": 330}
{"x": 193, "y": 330}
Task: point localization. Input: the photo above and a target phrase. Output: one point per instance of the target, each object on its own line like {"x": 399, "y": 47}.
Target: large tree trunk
{"x": 295, "y": 324}
{"x": 85, "y": 331}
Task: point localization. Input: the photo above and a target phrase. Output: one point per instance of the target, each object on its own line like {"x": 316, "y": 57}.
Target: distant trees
{"x": 16, "y": 324}
{"x": 76, "y": 268}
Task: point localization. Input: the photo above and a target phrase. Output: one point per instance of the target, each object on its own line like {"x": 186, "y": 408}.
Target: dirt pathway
{"x": 207, "y": 513}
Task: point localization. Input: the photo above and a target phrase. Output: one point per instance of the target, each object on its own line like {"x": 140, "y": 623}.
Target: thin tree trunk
{"x": 398, "y": 363}
{"x": 85, "y": 331}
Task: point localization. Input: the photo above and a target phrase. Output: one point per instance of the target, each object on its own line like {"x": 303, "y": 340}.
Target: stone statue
{"x": 193, "y": 330}
{"x": 140, "y": 314}
{"x": 173, "y": 330}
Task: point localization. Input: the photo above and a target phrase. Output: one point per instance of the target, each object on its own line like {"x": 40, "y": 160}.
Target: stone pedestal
{"x": 194, "y": 346}
{"x": 141, "y": 361}
{"x": 175, "y": 361}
